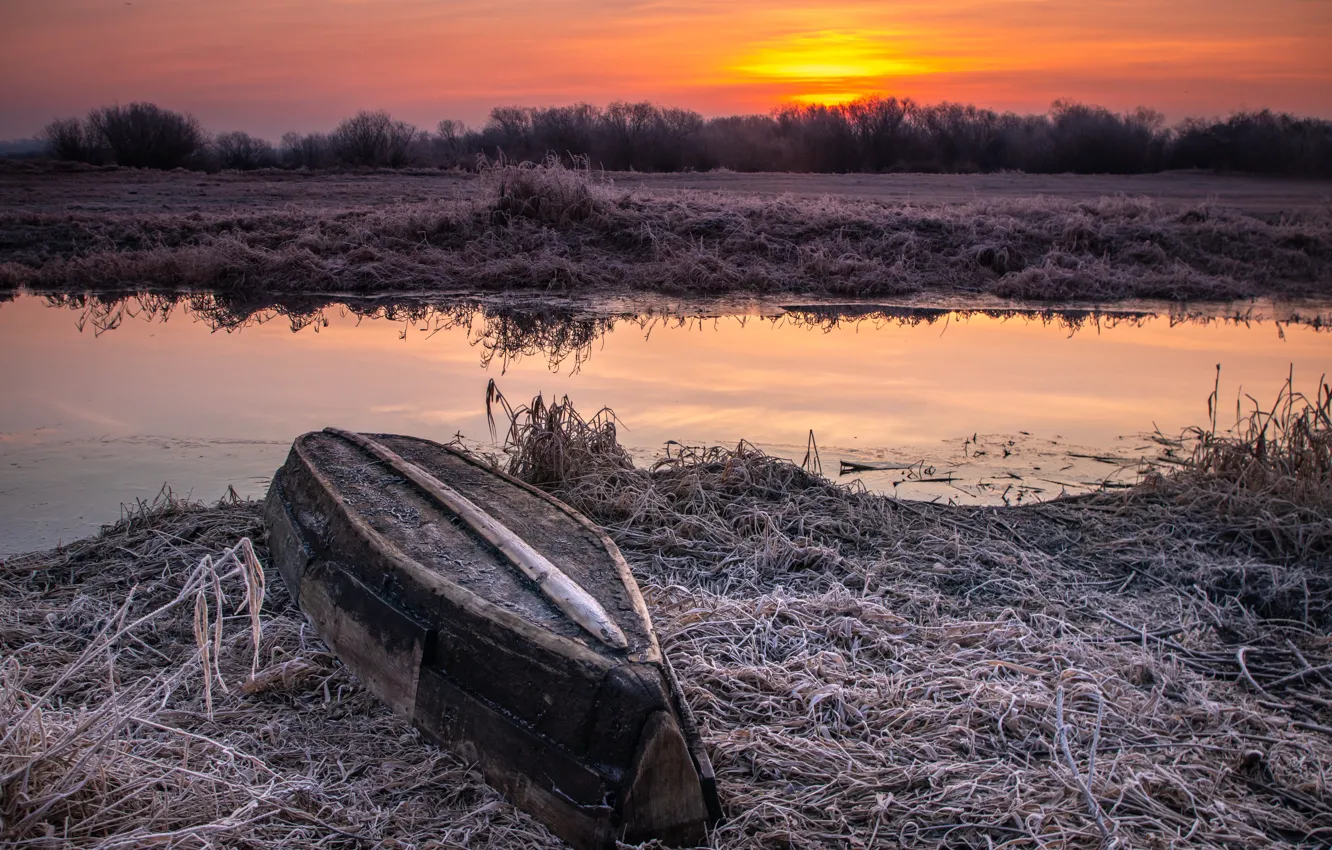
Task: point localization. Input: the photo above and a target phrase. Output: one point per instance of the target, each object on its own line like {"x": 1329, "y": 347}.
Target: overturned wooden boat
{"x": 500, "y": 622}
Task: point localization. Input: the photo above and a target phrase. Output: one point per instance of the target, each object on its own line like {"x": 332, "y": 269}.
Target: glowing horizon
{"x": 268, "y": 66}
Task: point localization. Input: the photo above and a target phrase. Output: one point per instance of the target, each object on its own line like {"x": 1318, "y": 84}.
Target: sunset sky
{"x": 268, "y": 66}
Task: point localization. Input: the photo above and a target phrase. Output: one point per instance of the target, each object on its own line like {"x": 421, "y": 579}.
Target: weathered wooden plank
{"x": 288, "y": 549}
{"x": 573, "y": 801}
{"x": 628, "y": 695}
{"x": 553, "y": 694}
{"x": 380, "y": 643}
{"x": 579, "y": 605}
{"x": 664, "y": 800}
{"x": 651, "y": 653}
{"x": 707, "y": 777}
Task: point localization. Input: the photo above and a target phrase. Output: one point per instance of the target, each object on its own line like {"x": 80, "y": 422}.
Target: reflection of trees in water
{"x": 101, "y": 312}
{"x": 831, "y": 318}
{"x": 558, "y": 336}
{"x": 504, "y": 334}
{"x": 836, "y": 316}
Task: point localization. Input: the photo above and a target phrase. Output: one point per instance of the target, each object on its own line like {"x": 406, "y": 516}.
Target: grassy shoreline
{"x": 561, "y": 231}
{"x": 1137, "y": 668}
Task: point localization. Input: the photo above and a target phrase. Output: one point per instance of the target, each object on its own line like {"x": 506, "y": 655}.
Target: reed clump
{"x": 548, "y": 192}
{"x": 551, "y": 442}
{"x": 1270, "y": 475}
{"x": 1284, "y": 451}
{"x": 149, "y": 698}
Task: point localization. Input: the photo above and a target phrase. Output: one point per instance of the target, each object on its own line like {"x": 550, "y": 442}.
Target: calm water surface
{"x": 104, "y": 404}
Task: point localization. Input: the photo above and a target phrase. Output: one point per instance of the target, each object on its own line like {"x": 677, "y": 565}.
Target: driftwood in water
{"x": 873, "y": 466}
{"x": 501, "y": 623}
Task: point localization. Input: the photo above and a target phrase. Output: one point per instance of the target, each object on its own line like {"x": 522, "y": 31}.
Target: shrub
{"x": 67, "y": 139}
{"x": 373, "y": 139}
{"x": 242, "y": 152}
{"x": 143, "y": 135}
{"x": 309, "y": 150}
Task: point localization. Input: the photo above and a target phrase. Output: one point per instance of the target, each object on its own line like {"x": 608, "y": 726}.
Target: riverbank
{"x": 1131, "y": 668}
{"x": 556, "y": 230}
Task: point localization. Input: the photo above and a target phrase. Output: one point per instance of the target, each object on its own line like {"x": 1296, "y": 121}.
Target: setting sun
{"x": 832, "y": 67}
{"x": 823, "y": 56}
{"x": 831, "y": 98}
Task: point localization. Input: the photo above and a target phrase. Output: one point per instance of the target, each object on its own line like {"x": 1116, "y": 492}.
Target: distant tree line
{"x": 873, "y": 134}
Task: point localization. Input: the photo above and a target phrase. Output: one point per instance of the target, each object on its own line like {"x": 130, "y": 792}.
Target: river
{"x": 107, "y": 400}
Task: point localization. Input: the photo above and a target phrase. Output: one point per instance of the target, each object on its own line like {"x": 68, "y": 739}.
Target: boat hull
{"x": 594, "y": 740}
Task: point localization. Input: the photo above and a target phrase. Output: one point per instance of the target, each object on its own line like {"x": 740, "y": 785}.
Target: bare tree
{"x": 308, "y": 150}
{"x": 675, "y": 134}
{"x": 67, "y": 139}
{"x": 243, "y": 152}
{"x": 881, "y": 128}
{"x": 359, "y": 139}
{"x": 399, "y": 137}
{"x": 875, "y": 133}
{"x": 143, "y": 135}
{"x": 509, "y": 129}
{"x": 373, "y": 139}
{"x": 448, "y": 147}
{"x": 566, "y": 131}
{"x": 451, "y": 132}
{"x": 627, "y": 124}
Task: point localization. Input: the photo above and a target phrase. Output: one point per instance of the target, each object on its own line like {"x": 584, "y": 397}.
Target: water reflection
{"x": 508, "y": 333}
{"x": 834, "y": 316}
{"x": 565, "y": 335}
{"x": 108, "y": 396}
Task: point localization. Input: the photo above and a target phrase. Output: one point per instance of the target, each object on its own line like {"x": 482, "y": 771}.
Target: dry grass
{"x": 550, "y": 228}
{"x": 1283, "y": 452}
{"x": 107, "y": 740}
{"x": 1270, "y": 475}
{"x": 871, "y": 669}
{"x": 553, "y": 442}
{"x": 1121, "y": 670}
{"x": 549, "y": 193}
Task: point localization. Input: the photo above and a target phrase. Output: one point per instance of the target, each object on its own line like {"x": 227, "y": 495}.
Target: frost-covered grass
{"x": 551, "y": 228}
